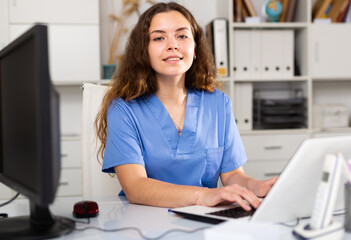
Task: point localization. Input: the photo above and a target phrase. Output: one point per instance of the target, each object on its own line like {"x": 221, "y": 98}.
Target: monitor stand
{"x": 39, "y": 225}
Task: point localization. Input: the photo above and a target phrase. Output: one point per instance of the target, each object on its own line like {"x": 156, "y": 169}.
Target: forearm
{"x": 157, "y": 193}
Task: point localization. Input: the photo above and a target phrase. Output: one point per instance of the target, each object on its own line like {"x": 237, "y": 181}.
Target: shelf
{"x": 275, "y": 79}
{"x": 328, "y": 79}
{"x": 274, "y": 131}
{"x": 270, "y": 25}
{"x": 72, "y": 83}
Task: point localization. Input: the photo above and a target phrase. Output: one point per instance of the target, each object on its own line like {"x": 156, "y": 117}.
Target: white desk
{"x": 116, "y": 212}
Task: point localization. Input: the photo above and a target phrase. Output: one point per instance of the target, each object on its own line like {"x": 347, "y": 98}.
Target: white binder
{"x": 288, "y": 53}
{"x": 220, "y": 46}
{"x": 243, "y": 105}
{"x": 242, "y": 54}
{"x": 256, "y": 54}
{"x": 272, "y": 53}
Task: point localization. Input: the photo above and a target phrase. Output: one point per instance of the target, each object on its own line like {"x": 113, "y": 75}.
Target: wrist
{"x": 198, "y": 197}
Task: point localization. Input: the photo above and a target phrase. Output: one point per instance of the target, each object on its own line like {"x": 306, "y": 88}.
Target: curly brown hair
{"x": 135, "y": 77}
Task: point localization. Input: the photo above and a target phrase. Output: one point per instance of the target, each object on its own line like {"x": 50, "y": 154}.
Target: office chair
{"x": 95, "y": 182}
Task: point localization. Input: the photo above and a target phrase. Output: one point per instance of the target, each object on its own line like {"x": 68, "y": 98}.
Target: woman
{"x": 166, "y": 131}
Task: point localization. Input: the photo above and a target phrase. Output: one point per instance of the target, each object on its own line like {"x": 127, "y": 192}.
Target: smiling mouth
{"x": 172, "y": 59}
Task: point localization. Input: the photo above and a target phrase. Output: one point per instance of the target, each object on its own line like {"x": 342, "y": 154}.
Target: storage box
{"x": 330, "y": 116}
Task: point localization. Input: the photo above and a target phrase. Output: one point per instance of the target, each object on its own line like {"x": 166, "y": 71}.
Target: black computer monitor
{"x": 30, "y": 136}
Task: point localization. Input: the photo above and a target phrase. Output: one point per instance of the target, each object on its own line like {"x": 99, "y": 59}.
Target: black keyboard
{"x": 236, "y": 212}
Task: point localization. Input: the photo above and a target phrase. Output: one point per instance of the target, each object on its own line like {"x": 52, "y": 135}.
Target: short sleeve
{"x": 234, "y": 155}
{"x": 123, "y": 145}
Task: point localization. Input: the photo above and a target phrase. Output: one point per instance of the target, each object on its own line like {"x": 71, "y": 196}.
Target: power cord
{"x": 134, "y": 229}
{"x": 336, "y": 213}
{"x": 5, "y": 215}
{"x": 9, "y": 201}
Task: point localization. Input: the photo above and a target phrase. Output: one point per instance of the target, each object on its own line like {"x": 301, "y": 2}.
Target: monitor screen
{"x": 30, "y": 134}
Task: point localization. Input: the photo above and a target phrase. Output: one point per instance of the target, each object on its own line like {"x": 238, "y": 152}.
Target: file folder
{"x": 242, "y": 54}
{"x": 288, "y": 53}
{"x": 218, "y": 28}
{"x": 243, "y": 105}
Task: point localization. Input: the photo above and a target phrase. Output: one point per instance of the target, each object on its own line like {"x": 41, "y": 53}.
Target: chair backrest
{"x": 95, "y": 182}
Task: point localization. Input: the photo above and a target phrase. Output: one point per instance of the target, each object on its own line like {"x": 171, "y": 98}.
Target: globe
{"x": 273, "y": 10}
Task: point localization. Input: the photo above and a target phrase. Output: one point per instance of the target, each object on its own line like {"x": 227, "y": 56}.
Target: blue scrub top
{"x": 141, "y": 131}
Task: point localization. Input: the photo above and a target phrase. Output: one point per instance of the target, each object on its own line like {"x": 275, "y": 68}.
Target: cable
{"x": 134, "y": 229}
{"x": 9, "y": 201}
{"x": 336, "y": 213}
{"x": 140, "y": 232}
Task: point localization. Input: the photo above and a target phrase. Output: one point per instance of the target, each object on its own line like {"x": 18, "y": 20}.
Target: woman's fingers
{"x": 234, "y": 193}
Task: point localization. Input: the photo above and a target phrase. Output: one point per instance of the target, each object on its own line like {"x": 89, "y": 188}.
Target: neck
{"x": 172, "y": 91}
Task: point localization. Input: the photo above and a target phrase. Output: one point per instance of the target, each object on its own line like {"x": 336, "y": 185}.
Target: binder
{"x": 256, "y": 54}
{"x": 243, "y": 105}
{"x": 272, "y": 53}
{"x": 242, "y": 54}
{"x": 288, "y": 53}
{"x": 218, "y": 29}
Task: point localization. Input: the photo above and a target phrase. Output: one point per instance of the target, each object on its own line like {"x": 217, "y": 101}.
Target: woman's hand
{"x": 228, "y": 194}
{"x": 262, "y": 187}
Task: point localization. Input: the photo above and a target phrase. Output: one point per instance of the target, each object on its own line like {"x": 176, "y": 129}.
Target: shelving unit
{"x": 323, "y": 75}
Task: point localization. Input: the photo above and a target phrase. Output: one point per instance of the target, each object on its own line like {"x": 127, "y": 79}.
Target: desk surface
{"x": 116, "y": 212}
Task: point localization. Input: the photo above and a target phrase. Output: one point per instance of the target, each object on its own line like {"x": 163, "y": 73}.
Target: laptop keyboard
{"x": 236, "y": 212}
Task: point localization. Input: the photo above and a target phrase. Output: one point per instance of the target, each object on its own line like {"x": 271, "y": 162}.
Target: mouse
{"x": 85, "y": 209}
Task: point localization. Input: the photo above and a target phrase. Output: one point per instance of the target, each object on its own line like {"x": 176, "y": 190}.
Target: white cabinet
{"x": 53, "y": 11}
{"x": 330, "y": 56}
{"x": 74, "y": 51}
{"x": 269, "y": 153}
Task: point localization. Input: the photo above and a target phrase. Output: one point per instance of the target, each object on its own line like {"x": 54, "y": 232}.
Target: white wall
{"x": 203, "y": 10}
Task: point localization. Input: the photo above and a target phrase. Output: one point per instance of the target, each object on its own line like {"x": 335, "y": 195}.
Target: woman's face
{"x": 171, "y": 47}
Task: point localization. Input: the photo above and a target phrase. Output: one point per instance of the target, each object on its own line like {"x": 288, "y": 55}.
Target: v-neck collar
{"x": 179, "y": 144}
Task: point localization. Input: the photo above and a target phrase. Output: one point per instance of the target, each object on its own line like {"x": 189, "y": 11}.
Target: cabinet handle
{"x": 271, "y": 174}
{"x": 64, "y": 155}
{"x": 316, "y": 52}
{"x": 63, "y": 183}
{"x": 273, "y": 147}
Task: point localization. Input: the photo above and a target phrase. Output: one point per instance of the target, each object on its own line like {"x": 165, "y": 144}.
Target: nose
{"x": 172, "y": 44}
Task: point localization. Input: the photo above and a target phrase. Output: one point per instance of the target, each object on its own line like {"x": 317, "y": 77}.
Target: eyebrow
{"x": 178, "y": 30}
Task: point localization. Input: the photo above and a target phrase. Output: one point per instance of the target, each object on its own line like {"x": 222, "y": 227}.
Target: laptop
{"x": 293, "y": 195}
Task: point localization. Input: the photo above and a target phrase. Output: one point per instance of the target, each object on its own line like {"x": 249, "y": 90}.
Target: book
{"x": 250, "y": 8}
{"x": 244, "y": 12}
{"x": 321, "y": 11}
{"x": 336, "y": 9}
{"x": 285, "y": 4}
{"x": 291, "y": 11}
{"x": 341, "y": 17}
{"x": 238, "y": 10}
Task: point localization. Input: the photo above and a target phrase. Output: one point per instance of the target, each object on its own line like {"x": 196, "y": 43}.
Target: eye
{"x": 182, "y": 36}
{"x": 158, "y": 38}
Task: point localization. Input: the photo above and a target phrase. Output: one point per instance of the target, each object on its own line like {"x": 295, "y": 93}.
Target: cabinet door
{"x": 4, "y": 25}
{"x": 331, "y": 50}
{"x": 54, "y": 11}
{"x": 73, "y": 51}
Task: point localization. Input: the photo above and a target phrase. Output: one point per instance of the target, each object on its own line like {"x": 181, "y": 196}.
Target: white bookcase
{"x": 321, "y": 52}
